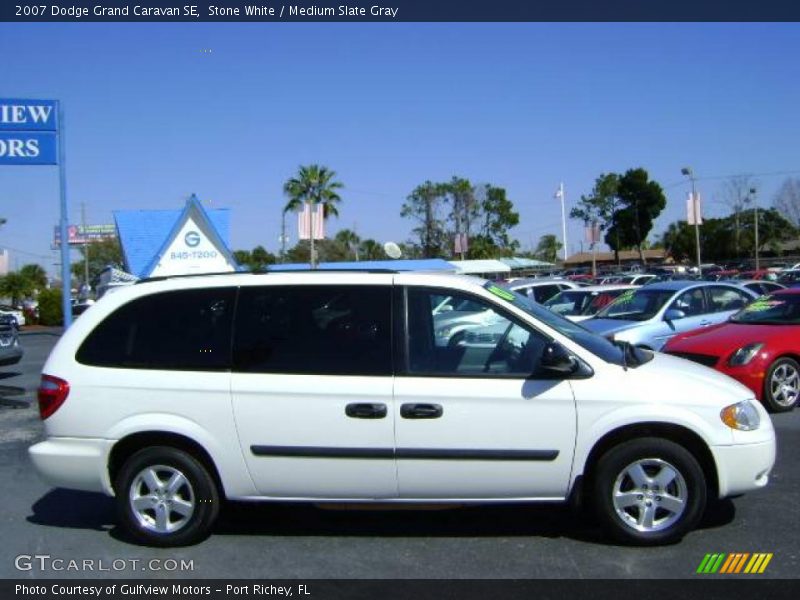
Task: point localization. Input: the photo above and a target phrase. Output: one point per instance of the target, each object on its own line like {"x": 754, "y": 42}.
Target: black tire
{"x": 166, "y": 522}
{"x": 778, "y": 402}
{"x": 669, "y": 520}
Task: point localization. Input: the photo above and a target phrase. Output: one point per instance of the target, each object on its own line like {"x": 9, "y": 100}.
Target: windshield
{"x": 568, "y": 302}
{"x": 776, "y": 309}
{"x": 608, "y": 351}
{"x": 636, "y": 305}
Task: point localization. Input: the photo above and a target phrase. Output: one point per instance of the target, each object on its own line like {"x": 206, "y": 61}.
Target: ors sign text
{"x": 28, "y": 132}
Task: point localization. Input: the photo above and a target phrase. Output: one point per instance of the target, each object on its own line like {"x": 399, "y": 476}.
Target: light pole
{"x": 687, "y": 171}
{"x": 752, "y": 198}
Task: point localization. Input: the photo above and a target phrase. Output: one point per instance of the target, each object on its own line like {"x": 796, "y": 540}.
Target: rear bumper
{"x": 74, "y": 463}
{"x": 743, "y": 467}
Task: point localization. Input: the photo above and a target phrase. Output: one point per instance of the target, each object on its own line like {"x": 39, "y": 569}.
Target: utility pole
{"x": 85, "y": 248}
{"x": 687, "y": 171}
{"x": 560, "y": 196}
{"x": 755, "y": 219}
{"x": 283, "y": 236}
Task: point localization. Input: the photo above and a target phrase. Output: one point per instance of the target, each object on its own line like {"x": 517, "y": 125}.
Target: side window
{"x": 691, "y": 302}
{"x": 182, "y": 330}
{"x": 314, "y": 329}
{"x": 723, "y": 299}
{"x": 482, "y": 343}
{"x": 543, "y": 293}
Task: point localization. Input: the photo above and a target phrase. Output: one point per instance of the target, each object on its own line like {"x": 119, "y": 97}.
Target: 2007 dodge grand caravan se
{"x": 173, "y": 394}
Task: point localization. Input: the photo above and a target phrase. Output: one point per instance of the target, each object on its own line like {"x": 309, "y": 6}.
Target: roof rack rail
{"x": 265, "y": 272}
{"x": 187, "y": 275}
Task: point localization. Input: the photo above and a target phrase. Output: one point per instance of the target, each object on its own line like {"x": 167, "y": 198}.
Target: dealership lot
{"x": 291, "y": 541}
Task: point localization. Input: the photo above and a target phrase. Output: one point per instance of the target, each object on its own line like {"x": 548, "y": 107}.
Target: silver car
{"x": 651, "y": 315}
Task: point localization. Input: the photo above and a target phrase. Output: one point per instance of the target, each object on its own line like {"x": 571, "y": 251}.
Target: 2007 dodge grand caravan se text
{"x": 173, "y": 394}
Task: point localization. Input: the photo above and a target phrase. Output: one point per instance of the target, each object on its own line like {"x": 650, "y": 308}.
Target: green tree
{"x": 601, "y": 207}
{"x": 497, "y": 216}
{"x": 313, "y": 184}
{"x": 101, "y": 254}
{"x": 371, "y": 250}
{"x": 16, "y": 287}
{"x": 547, "y": 248}
{"x": 35, "y": 274}
{"x": 642, "y": 201}
{"x": 256, "y": 260}
{"x": 50, "y": 308}
{"x": 349, "y": 242}
{"x": 424, "y": 205}
{"x": 718, "y": 236}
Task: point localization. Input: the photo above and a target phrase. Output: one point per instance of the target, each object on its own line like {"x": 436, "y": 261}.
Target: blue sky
{"x": 152, "y": 116}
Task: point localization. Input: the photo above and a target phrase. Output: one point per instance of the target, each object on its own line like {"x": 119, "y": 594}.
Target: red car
{"x": 759, "y": 346}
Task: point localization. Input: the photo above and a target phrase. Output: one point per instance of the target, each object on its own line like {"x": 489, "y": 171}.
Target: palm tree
{"x": 349, "y": 241}
{"x": 16, "y": 287}
{"x": 35, "y": 274}
{"x": 313, "y": 184}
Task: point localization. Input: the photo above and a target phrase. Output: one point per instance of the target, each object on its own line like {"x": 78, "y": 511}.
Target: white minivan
{"x": 174, "y": 394}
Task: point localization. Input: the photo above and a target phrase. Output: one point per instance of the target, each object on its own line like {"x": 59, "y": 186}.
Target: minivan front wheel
{"x": 166, "y": 497}
{"x": 649, "y": 491}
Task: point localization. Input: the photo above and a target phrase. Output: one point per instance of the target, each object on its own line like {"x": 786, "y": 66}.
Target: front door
{"x": 470, "y": 420}
{"x": 312, "y": 390}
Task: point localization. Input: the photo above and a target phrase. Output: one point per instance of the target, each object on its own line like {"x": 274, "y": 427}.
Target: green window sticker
{"x": 501, "y": 293}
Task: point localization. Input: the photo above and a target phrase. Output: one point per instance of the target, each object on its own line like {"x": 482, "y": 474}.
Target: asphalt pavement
{"x": 304, "y": 542}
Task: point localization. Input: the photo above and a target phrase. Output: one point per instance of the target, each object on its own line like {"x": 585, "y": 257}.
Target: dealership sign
{"x": 78, "y": 235}
{"x": 28, "y": 132}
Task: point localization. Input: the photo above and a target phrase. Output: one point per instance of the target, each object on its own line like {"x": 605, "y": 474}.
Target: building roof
{"x": 145, "y": 234}
{"x": 624, "y": 255}
{"x": 422, "y": 264}
{"x": 469, "y": 267}
{"x": 518, "y": 262}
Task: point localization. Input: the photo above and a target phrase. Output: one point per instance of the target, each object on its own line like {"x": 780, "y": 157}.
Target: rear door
{"x": 471, "y": 420}
{"x": 312, "y": 389}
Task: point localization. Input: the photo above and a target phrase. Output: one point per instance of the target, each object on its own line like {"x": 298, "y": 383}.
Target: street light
{"x": 752, "y": 198}
{"x": 687, "y": 171}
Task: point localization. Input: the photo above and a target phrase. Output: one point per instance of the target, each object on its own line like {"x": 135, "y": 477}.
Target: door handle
{"x": 705, "y": 323}
{"x": 421, "y": 411}
{"x": 365, "y": 410}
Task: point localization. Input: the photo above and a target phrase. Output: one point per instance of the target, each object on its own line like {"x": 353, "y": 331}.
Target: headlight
{"x": 745, "y": 354}
{"x": 445, "y": 332}
{"x": 742, "y": 416}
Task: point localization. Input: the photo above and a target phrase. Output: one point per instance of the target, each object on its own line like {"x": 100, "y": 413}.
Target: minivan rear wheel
{"x": 166, "y": 497}
{"x": 648, "y": 491}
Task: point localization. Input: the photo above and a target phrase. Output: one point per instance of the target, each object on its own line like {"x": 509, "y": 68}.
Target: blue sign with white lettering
{"x": 28, "y": 148}
{"x": 28, "y": 132}
{"x": 28, "y": 115}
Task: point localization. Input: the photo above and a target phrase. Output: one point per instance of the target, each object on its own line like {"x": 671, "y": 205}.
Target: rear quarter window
{"x": 180, "y": 330}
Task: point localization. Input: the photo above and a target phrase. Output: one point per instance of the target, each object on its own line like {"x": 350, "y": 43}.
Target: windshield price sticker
{"x": 501, "y": 293}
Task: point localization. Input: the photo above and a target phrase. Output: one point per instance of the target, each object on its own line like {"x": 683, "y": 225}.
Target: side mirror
{"x": 556, "y": 360}
{"x": 673, "y": 314}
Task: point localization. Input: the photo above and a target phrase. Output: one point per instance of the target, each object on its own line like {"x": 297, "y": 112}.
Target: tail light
{"x": 52, "y": 393}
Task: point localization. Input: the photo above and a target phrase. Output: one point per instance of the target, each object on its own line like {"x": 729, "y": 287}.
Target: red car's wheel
{"x": 782, "y": 385}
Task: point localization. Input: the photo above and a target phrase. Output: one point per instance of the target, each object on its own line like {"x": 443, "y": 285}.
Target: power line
{"x": 27, "y": 253}
{"x": 711, "y": 177}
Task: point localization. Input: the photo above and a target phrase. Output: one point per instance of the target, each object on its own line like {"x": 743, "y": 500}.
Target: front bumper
{"x": 74, "y": 463}
{"x": 10, "y": 355}
{"x": 743, "y": 467}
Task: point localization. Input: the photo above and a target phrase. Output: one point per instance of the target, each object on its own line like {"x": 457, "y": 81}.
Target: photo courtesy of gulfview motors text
{"x": 249, "y": 590}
